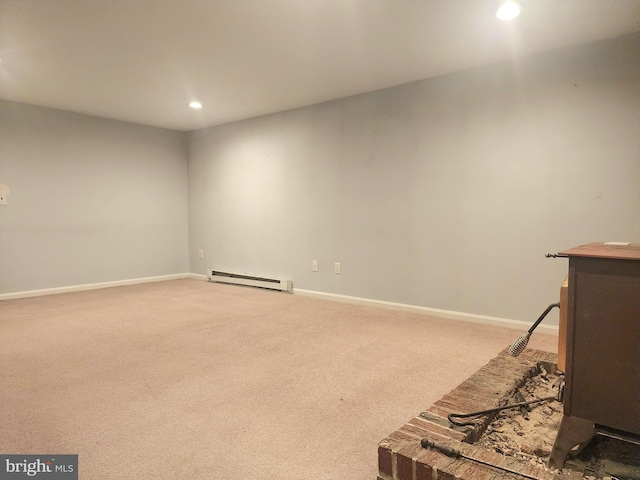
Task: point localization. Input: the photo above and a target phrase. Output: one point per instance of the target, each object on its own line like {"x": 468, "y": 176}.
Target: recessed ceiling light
{"x": 195, "y": 105}
{"x": 508, "y": 11}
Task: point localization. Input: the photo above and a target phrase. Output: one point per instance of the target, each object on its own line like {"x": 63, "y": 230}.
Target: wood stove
{"x": 599, "y": 346}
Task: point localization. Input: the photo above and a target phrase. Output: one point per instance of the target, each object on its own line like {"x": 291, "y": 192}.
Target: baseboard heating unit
{"x": 249, "y": 280}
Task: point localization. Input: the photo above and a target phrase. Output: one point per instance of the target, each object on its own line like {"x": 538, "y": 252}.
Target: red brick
{"x": 424, "y": 462}
{"x": 438, "y": 410}
{"x": 538, "y": 355}
{"x": 419, "y": 431}
{"x": 424, "y": 472}
{"x": 437, "y": 419}
{"x": 476, "y": 390}
{"x": 452, "y": 406}
{"x": 401, "y": 436}
{"x": 433, "y": 428}
{"x": 483, "y": 387}
{"x": 442, "y": 411}
{"x": 405, "y": 468}
{"x": 511, "y": 463}
{"x": 445, "y": 471}
{"x": 414, "y": 430}
{"x": 476, "y": 471}
{"x": 385, "y": 463}
{"x": 450, "y": 468}
{"x": 454, "y": 468}
{"x": 487, "y": 388}
{"x": 483, "y": 454}
{"x": 443, "y": 464}
{"x": 461, "y": 404}
{"x": 429, "y": 458}
{"x": 496, "y": 375}
{"x": 442, "y": 475}
{"x": 405, "y": 456}
{"x": 508, "y": 368}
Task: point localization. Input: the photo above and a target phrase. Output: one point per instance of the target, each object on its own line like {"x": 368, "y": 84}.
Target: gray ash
{"x": 529, "y": 434}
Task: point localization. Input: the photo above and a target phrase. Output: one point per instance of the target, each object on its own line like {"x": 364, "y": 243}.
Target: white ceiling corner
{"x": 143, "y": 61}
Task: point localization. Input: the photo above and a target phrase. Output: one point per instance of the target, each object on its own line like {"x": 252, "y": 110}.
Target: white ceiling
{"x": 143, "y": 61}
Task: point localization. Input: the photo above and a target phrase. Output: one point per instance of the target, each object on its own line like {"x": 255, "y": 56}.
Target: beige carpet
{"x": 186, "y": 379}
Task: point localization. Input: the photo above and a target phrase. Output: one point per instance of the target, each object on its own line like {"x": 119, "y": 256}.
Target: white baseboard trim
{"x": 197, "y": 276}
{"x": 90, "y": 286}
{"x": 435, "y": 312}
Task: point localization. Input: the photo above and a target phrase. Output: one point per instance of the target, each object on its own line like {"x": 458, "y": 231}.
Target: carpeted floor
{"x": 186, "y": 379}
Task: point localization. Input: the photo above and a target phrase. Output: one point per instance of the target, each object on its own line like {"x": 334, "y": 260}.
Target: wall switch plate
{"x": 314, "y": 265}
{"x": 200, "y": 254}
{"x": 3, "y": 199}
{"x": 336, "y": 268}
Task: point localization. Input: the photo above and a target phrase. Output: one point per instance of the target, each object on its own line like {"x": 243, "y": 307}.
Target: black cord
{"x": 492, "y": 410}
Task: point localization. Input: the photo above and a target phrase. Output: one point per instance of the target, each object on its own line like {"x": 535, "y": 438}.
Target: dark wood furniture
{"x": 602, "y": 348}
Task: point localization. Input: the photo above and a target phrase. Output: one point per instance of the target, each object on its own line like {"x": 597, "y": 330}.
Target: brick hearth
{"x": 401, "y": 457}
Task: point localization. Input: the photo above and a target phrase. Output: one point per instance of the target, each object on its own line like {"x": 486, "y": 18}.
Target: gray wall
{"x": 92, "y": 200}
{"x": 444, "y": 193}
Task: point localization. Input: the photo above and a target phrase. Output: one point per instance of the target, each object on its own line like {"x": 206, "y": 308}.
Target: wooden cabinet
{"x": 601, "y": 353}
{"x": 603, "y": 335}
